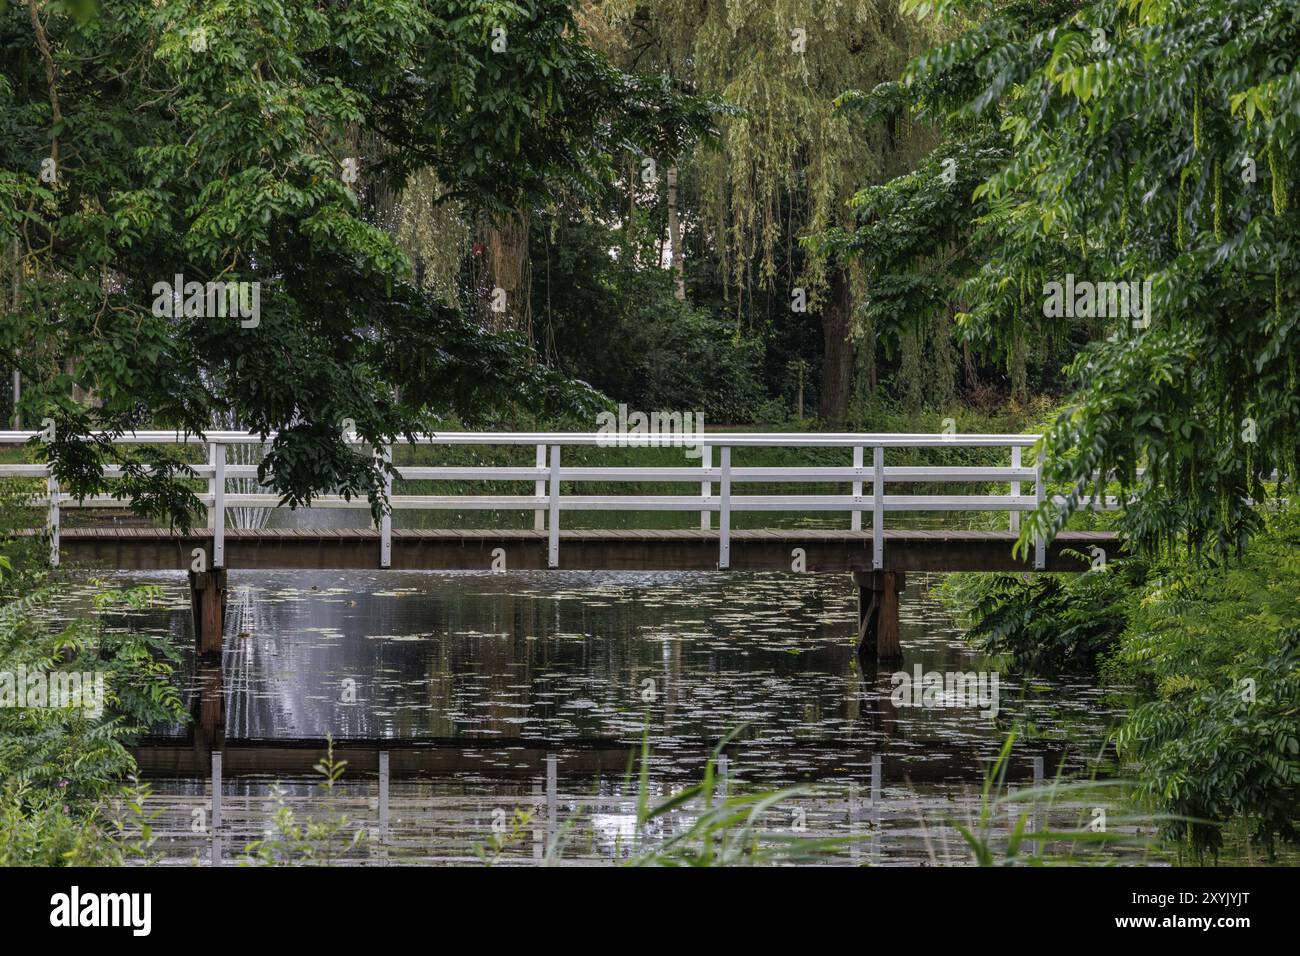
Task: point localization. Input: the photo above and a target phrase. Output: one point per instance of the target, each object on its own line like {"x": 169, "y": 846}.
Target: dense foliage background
{"x": 784, "y": 213}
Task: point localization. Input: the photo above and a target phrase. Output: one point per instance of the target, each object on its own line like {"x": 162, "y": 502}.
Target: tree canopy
{"x": 1145, "y": 141}
{"x": 234, "y": 142}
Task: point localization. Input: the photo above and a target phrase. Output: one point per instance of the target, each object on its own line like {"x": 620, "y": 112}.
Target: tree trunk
{"x": 971, "y": 369}
{"x": 508, "y": 302}
{"x": 675, "y": 236}
{"x": 837, "y": 351}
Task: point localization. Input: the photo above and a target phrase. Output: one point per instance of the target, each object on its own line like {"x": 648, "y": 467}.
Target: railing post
{"x": 386, "y": 518}
{"x": 878, "y": 508}
{"x": 1040, "y": 552}
{"x": 706, "y": 487}
{"x": 52, "y": 520}
{"x": 1015, "y": 487}
{"x": 539, "y": 489}
{"x": 856, "y": 524}
{"x": 553, "y": 538}
{"x": 212, "y": 482}
{"x": 218, "y": 513}
{"x": 724, "y": 513}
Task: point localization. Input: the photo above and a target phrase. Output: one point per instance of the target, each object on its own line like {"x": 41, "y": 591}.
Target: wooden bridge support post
{"x": 208, "y": 709}
{"x": 208, "y": 603}
{"x": 878, "y": 600}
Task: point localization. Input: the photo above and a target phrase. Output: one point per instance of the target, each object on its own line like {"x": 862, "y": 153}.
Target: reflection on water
{"x": 559, "y": 658}
{"x": 594, "y": 820}
{"x": 563, "y": 656}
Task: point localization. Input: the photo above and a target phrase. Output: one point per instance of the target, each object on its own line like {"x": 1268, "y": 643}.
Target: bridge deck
{"x": 130, "y": 549}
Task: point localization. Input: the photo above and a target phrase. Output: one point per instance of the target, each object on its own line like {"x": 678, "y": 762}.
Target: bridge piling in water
{"x": 208, "y": 605}
{"x": 208, "y": 707}
{"x": 878, "y": 600}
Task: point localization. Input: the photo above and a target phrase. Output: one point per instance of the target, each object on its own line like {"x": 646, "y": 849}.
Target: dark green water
{"x": 561, "y": 660}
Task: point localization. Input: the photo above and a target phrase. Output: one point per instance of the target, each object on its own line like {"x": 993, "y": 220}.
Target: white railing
{"x": 547, "y": 475}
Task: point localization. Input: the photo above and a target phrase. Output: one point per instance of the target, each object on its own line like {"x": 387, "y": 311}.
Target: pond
{"x": 503, "y": 671}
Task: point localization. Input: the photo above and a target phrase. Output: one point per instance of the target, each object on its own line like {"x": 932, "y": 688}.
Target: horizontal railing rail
{"x": 866, "y": 474}
{"x": 600, "y": 439}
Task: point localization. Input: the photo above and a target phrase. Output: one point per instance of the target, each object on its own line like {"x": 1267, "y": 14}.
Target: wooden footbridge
{"x": 877, "y": 557}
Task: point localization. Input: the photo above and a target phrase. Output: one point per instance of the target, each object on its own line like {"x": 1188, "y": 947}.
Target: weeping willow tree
{"x": 434, "y": 233}
{"x": 788, "y": 162}
{"x": 460, "y": 256}
{"x": 915, "y": 239}
{"x": 474, "y": 254}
